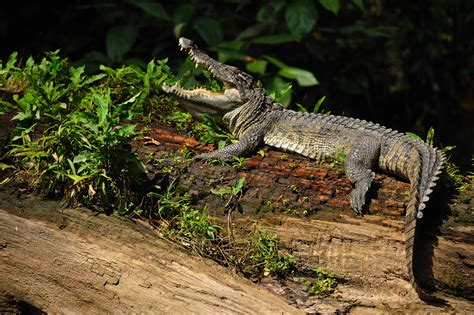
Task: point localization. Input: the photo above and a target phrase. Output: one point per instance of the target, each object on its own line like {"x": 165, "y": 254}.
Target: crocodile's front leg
{"x": 247, "y": 144}
{"x": 358, "y": 165}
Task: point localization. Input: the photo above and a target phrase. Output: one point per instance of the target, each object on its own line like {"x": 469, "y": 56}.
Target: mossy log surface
{"x": 62, "y": 260}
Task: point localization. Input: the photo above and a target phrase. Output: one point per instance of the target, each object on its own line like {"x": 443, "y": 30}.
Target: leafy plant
{"x": 74, "y": 130}
{"x": 322, "y": 283}
{"x": 316, "y": 107}
{"x": 239, "y": 162}
{"x": 266, "y": 258}
{"x": 234, "y": 191}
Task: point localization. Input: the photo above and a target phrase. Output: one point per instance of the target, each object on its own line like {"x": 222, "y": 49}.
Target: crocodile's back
{"x": 320, "y": 136}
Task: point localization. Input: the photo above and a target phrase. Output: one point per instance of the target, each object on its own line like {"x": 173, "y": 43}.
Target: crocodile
{"x": 256, "y": 119}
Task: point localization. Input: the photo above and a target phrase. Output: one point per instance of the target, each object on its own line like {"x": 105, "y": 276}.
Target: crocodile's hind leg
{"x": 358, "y": 166}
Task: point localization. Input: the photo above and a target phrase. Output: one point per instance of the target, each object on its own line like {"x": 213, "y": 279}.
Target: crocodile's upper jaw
{"x": 201, "y": 101}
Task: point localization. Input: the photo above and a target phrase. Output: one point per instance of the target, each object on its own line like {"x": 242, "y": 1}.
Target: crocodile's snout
{"x": 187, "y": 44}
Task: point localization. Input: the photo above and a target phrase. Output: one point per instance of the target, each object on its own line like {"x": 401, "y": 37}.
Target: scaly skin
{"x": 255, "y": 119}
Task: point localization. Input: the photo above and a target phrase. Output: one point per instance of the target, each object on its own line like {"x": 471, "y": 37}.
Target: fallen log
{"x": 71, "y": 260}
{"x": 75, "y": 261}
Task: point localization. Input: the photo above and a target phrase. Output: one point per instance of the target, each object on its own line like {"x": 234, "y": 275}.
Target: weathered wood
{"x": 72, "y": 261}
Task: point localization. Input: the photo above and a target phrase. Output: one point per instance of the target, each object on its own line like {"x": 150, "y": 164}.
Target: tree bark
{"x": 71, "y": 260}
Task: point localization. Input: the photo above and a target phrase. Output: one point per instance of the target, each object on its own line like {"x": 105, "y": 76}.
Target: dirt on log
{"x": 70, "y": 260}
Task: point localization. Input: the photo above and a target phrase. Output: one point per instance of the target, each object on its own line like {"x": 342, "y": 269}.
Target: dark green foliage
{"x": 403, "y": 64}
{"x": 73, "y": 131}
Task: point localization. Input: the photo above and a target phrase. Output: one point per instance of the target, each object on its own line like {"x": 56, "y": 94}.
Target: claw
{"x": 357, "y": 198}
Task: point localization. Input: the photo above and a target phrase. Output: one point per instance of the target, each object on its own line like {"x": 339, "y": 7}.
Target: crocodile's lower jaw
{"x": 200, "y": 101}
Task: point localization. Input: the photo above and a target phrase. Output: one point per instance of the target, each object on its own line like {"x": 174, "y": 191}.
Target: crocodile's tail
{"x": 424, "y": 173}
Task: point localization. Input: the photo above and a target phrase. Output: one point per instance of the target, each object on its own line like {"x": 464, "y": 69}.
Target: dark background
{"x": 404, "y": 64}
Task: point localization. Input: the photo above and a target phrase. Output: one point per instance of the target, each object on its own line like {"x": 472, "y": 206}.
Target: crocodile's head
{"x": 201, "y": 101}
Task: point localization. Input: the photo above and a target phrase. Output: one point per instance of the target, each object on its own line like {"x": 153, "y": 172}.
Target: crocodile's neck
{"x": 259, "y": 111}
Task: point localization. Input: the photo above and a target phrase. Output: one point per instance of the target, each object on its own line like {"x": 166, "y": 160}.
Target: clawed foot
{"x": 358, "y": 195}
{"x": 357, "y": 200}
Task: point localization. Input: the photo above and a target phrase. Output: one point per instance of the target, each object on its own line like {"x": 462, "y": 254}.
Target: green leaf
{"x": 359, "y": 4}
{"x": 4, "y": 166}
{"x": 300, "y": 17}
{"x": 303, "y": 77}
{"x": 221, "y": 144}
{"x": 152, "y": 8}
{"x": 280, "y": 64}
{"x": 281, "y": 91}
{"x": 430, "y": 136}
{"x": 221, "y": 191}
{"x": 301, "y": 108}
{"x": 448, "y": 148}
{"x": 238, "y": 186}
{"x": 131, "y": 99}
{"x": 331, "y": 5}
{"x": 414, "y": 136}
{"x": 127, "y": 130}
{"x": 210, "y": 30}
{"x": 276, "y": 39}
{"x": 11, "y": 61}
{"x": 71, "y": 165}
{"x": 258, "y": 66}
{"x": 93, "y": 78}
{"x": 318, "y": 104}
{"x": 102, "y": 109}
{"x": 22, "y": 116}
{"x": 77, "y": 178}
{"x": 81, "y": 158}
{"x": 75, "y": 74}
{"x": 119, "y": 41}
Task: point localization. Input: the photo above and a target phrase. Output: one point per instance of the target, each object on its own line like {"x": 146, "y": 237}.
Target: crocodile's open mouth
{"x": 200, "y": 101}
